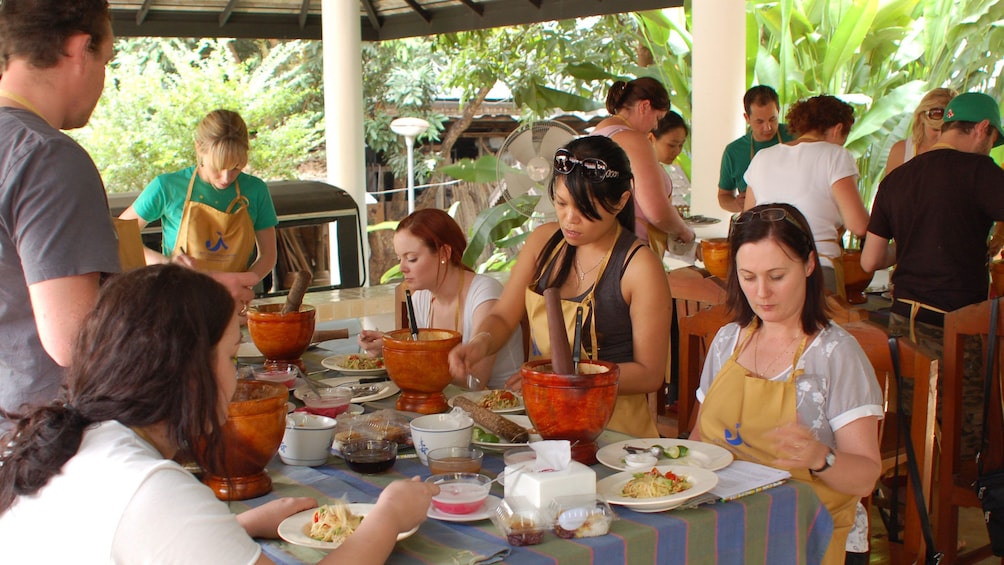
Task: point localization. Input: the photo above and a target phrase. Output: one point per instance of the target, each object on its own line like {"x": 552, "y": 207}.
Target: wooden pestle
{"x": 561, "y": 354}
{"x": 325, "y": 335}
{"x": 296, "y": 292}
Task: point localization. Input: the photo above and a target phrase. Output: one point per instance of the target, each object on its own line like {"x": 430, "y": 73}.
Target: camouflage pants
{"x": 931, "y": 340}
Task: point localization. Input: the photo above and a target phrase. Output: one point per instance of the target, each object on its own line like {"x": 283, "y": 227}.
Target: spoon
{"x": 671, "y": 452}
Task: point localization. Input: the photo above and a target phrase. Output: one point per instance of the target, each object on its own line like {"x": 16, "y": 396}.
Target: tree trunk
{"x": 461, "y": 125}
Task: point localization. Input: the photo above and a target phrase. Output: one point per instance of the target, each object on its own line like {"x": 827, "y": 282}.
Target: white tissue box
{"x": 539, "y": 488}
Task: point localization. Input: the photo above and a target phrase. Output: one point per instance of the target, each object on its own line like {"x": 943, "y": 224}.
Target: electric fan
{"x": 526, "y": 164}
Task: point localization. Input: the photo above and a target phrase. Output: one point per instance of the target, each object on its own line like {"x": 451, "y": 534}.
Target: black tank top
{"x": 614, "y": 335}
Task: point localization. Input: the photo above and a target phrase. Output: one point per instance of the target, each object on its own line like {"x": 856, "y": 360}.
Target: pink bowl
{"x": 460, "y": 493}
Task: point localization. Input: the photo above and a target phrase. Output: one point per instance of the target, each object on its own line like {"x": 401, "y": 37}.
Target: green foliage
{"x": 494, "y": 226}
{"x": 480, "y": 170}
{"x": 157, "y": 91}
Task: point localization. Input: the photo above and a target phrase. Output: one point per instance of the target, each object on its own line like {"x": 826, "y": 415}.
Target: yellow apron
{"x": 740, "y": 408}
{"x": 658, "y": 240}
{"x": 218, "y": 241}
{"x": 631, "y": 414}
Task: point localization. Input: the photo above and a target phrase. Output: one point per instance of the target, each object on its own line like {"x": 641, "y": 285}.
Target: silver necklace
{"x": 578, "y": 268}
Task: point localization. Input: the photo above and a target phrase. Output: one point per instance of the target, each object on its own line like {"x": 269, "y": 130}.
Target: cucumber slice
{"x": 673, "y": 451}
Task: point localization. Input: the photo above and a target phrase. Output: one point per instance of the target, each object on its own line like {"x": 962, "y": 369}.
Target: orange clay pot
{"x": 717, "y": 256}
{"x": 281, "y": 337}
{"x": 420, "y": 368}
{"x": 256, "y": 421}
{"x": 572, "y": 407}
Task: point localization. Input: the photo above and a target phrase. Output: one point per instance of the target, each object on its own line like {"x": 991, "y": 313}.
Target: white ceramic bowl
{"x": 307, "y": 440}
{"x": 435, "y": 431}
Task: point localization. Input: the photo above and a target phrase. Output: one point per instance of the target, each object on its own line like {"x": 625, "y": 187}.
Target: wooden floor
{"x": 973, "y": 531}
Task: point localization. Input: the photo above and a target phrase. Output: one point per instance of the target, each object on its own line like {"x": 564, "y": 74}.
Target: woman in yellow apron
{"x": 213, "y": 216}
{"x": 785, "y": 387}
{"x": 592, "y": 256}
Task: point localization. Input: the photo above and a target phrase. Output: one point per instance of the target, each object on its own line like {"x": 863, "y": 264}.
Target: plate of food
{"x": 328, "y": 526}
{"x": 667, "y": 452}
{"x": 483, "y": 513}
{"x": 658, "y": 489}
{"x": 360, "y": 392}
{"x": 498, "y": 401}
{"x": 355, "y": 364}
{"x": 492, "y": 438}
{"x": 699, "y": 220}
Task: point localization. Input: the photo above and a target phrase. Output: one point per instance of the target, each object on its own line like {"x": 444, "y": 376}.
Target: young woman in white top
{"x": 926, "y": 128}
{"x": 94, "y": 470}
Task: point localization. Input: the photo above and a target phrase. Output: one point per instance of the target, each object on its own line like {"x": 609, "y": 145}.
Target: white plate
{"x": 387, "y": 388}
{"x": 290, "y": 407}
{"x": 699, "y": 454}
{"x": 296, "y": 528}
{"x": 476, "y": 397}
{"x": 501, "y": 446}
{"x": 702, "y": 480}
{"x": 336, "y": 363}
{"x": 480, "y": 514}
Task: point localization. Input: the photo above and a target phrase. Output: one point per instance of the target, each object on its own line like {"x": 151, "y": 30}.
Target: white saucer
{"x": 482, "y": 513}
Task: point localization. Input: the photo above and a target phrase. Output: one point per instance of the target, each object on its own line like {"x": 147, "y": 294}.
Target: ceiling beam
{"x": 141, "y": 14}
{"x": 371, "y": 13}
{"x": 304, "y": 12}
{"x": 419, "y": 10}
{"x": 474, "y": 6}
{"x": 227, "y": 12}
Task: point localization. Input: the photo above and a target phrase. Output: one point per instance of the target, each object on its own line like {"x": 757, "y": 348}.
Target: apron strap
{"x": 915, "y": 307}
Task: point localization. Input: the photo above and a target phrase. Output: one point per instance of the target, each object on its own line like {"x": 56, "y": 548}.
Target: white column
{"x": 343, "y": 108}
{"x": 719, "y": 82}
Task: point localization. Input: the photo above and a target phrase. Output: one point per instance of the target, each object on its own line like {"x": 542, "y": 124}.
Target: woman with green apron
{"x": 783, "y": 386}
{"x": 213, "y": 216}
{"x": 592, "y": 256}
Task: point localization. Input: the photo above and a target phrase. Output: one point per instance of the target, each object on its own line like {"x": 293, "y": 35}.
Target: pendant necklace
{"x": 582, "y": 274}
{"x": 756, "y": 348}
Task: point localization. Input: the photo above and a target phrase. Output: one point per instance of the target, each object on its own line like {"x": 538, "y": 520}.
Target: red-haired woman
{"x": 447, "y": 294}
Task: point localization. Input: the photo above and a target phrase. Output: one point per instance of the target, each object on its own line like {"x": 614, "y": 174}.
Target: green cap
{"x": 975, "y": 107}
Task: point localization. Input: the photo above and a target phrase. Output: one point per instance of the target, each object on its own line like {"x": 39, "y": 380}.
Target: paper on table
{"x": 743, "y": 478}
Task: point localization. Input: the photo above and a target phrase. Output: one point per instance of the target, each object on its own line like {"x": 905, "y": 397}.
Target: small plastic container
{"x": 520, "y": 522}
{"x": 581, "y": 516}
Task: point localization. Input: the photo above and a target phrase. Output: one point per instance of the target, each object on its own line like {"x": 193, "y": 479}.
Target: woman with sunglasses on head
{"x": 786, "y": 387}
{"x": 635, "y": 109}
{"x": 89, "y": 478}
{"x": 817, "y": 175}
{"x": 447, "y": 294}
{"x": 925, "y": 128}
{"x": 592, "y": 256}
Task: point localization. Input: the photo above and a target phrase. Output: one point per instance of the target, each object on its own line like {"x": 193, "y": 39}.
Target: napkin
{"x": 552, "y": 455}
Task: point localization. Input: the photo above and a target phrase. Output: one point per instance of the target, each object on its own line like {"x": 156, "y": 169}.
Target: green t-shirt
{"x": 738, "y": 154}
{"x": 164, "y": 199}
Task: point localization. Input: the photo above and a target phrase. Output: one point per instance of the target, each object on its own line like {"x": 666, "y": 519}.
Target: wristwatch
{"x": 827, "y": 462}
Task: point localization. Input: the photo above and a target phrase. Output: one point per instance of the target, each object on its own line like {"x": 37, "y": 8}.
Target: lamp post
{"x": 410, "y": 128}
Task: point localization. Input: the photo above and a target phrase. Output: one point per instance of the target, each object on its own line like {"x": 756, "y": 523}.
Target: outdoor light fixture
{"x": 410, "y": 128}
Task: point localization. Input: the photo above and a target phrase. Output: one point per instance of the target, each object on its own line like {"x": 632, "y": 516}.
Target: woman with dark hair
{"x": 447, "y": 294}
{"x": 592, "y": 256}
{"x": 817, "y": 175}
{"x": 635, "y": 109}
{"x": 93, "y": 469}
{"x": 668, "y": 138}
{"x": 786, "y": 387}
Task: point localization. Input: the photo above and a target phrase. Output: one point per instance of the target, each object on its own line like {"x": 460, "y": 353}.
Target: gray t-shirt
{"x": 54, "y": 223}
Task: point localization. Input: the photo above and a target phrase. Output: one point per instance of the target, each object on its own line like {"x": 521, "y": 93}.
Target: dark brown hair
{"x": 38, "y": 29}
{"x": 793, "y": 234}
{"x": 145, "y": 355}
{"x": 668, "y": 123}
{"x": 623, "y": 94}
{"x": 761, "y": 95}
{"x": 819, "y": 113}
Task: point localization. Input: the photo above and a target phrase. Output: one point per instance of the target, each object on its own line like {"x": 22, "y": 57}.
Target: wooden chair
{"x": 696, "y": 333}
{"x": 923, "y": 371}
{"x": 841, "y": 311}
{"x": 693, "y": 290}
{"x": 955, "y": 477}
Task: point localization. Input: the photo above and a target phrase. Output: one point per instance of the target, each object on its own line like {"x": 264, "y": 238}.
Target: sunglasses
{"x": 768, "y": 215}
{"x": 936, "y": 113}
{"x": 596, "y": 170}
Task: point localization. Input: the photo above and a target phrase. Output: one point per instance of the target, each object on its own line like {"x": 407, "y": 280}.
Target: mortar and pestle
{"x": 566, "y": 398}
{"x": 283, "y": 332}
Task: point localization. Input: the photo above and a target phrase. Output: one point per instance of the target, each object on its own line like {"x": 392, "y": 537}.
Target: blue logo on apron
{"x": 219, "y": 243}
{"x": 734, "y": 439}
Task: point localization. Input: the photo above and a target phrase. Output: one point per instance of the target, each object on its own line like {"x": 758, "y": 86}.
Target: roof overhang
{"x": 379, "y": 19}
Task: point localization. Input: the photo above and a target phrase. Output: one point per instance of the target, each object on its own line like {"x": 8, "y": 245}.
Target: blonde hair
{"x": 937, "y": 98}
{"x": 222, "y": 140}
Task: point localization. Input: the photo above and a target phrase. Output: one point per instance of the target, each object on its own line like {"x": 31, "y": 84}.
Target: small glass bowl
{"x": 455, "y": 460}
{"x": 281, "y": 373}
{"x": 460, "y": 493}
{"x": 330, "y": 403}
{"x": 370, "y": 456}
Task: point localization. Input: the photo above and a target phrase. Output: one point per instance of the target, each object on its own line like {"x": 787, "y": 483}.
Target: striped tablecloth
{"x": 786, "y": 524}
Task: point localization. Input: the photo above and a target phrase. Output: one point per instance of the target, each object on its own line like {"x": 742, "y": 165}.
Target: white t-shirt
{"x": 119, "y": 501}
{"x": 510, "y": 357}
{"x": 837, "y": 388}
{"x": 803, "y": 175}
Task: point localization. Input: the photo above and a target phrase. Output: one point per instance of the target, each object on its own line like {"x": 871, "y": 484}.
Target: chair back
{"x": 955, "y": 476}
{"x": 696, "y": 333}
{"x": 922, "y": 369}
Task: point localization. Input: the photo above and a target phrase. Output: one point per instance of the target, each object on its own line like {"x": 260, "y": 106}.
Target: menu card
{"x": 743, "y": 478}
